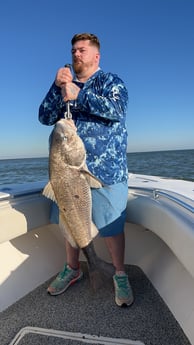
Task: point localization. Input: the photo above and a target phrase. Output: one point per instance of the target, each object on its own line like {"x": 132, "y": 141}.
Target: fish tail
{"x": 100, "y": 271}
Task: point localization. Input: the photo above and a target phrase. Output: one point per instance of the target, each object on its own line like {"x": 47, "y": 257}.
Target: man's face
{"x": 84, "y": 56}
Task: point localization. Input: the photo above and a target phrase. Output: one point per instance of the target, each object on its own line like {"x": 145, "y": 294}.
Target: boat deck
{"x": 147, "y": 322}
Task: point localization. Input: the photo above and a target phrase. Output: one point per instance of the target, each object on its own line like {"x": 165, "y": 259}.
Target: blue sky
{"x": 148, "y": 43}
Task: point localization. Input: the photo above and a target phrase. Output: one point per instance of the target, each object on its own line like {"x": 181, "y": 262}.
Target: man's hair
{"x": 86, "y": 36}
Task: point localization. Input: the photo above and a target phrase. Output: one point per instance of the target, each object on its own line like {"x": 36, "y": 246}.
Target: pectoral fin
{"x": 48, "y": 192}
{"x": 93, "y": 181}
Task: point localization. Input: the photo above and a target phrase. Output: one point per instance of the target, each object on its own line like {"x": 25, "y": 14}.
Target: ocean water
{"x": 23, "y": 170}
{"x": 177, "y": 164}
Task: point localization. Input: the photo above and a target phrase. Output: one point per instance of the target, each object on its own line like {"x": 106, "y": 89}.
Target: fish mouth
{"x": 64, "y": 123}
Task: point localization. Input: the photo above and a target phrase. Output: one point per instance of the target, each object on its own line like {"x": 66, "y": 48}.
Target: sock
{"x": 120, "y": 273}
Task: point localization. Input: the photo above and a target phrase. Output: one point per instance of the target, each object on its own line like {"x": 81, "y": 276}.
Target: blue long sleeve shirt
{"x": 99, "y": 114}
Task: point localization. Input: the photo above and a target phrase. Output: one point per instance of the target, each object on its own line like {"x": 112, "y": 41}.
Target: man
{"x": 98, "y": 104}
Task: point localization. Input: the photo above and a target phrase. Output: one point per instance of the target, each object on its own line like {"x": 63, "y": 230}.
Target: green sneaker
{"x": 123, "y": 290}
{"x": 64, "y": 279}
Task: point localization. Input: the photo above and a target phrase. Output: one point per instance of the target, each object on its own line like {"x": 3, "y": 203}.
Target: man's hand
{"x": 69, "y": 91}
{"x": 63, "y": 76}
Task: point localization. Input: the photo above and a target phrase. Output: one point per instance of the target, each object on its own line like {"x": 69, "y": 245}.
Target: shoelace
{"x": 63, "y": 273}
{"x": 122, "y": 282}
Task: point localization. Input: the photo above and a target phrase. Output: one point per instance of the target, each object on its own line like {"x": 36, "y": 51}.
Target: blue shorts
{"x": 108, "y": 209}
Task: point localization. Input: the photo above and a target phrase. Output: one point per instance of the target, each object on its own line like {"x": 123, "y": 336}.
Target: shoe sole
{"x": 73, "y": 281}
{"x": 124, "y": 304}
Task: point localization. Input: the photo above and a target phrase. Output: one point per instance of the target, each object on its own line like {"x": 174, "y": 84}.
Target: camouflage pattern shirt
{"x": 99, "y": 114}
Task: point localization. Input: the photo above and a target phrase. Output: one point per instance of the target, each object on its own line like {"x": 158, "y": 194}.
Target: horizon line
{"x": 46, "y": 156}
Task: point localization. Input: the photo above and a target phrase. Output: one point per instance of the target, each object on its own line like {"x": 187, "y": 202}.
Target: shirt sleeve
{"x": 52, "y": 106}
{"x": 108, "y": 99}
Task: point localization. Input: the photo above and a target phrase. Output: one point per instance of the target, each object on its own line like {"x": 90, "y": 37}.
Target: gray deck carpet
{"x": 148, "y": 320}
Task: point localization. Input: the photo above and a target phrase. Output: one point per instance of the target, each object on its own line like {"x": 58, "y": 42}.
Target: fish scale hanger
{"x": 68, "y": 114}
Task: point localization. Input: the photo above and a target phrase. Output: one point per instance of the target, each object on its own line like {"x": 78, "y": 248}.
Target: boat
{"x": 159, "y": 259}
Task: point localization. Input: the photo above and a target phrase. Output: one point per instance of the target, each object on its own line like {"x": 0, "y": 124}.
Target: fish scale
{"x": 77, "y": 209}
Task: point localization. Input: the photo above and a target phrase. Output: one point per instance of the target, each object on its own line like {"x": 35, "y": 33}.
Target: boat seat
{"x": 22, "y": 208}
{"x": 167, "y": 214}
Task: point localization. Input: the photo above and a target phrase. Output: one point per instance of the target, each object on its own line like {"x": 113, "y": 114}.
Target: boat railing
{"x": 13, "y": 191}
{"x": 177, "y": 198}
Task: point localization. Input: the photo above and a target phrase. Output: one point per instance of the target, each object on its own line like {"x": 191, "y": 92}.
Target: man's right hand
{"x": 63, "y": 76}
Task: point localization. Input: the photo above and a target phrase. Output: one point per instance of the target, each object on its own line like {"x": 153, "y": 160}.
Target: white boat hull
{"x": 159, "y": 239}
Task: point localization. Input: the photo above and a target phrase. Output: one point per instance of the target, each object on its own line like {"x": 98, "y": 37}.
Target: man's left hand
{"x": 69, "y": 91}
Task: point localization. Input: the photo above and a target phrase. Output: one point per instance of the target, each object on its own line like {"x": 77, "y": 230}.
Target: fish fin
{"x": 48, "y": 192}
{"x": 64, "y": 229}
{"x": 93, "y": 181}
{"x": 94, "y": 230}
{"x": 63, "y": 225}
{"x": 100, "y": 271}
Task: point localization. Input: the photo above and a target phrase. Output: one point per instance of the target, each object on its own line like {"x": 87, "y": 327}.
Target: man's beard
{"x": 79, "y": 66}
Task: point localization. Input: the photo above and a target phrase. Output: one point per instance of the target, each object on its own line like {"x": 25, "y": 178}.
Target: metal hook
{"x": 68, "y": 114}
